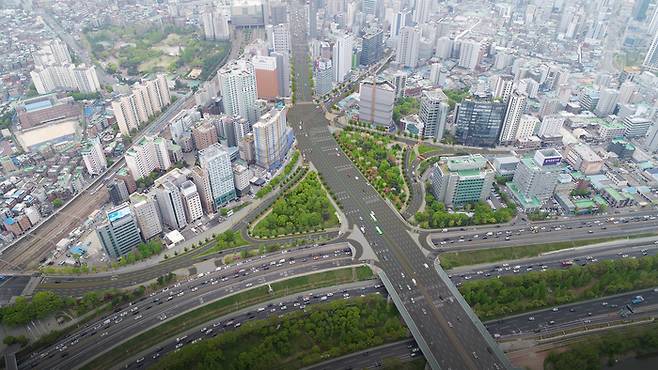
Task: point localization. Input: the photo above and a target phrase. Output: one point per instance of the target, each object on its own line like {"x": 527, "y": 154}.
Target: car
{"x": 555, "y": 309}
{"x": 531, "y": 318}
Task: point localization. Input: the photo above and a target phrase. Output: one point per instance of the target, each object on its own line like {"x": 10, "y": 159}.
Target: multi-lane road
{"x": 448, "y": 335}
{"x": 102, "y": 335}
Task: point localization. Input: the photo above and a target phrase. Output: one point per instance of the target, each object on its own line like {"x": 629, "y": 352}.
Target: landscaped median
{"x": 226, "y": 305}
{"x": 451, "y": 260}
{"x": 303, "y": 209}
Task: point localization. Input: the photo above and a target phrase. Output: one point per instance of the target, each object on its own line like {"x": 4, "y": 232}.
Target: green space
{"x": 226, "y": 240}
{"x": 136, "y": 50}
{"x": 606, "y": 348}
{"x": 405, "y": 107}
{"x": 456, "y": 96}
{"x": 424, "y": 148}
{"x": 378, "y": 158}
{"x": 85, "y": 96}
{"x": 276, "y": 180}
{"x": 224, "y": 306}
{"x": 304, "y": 208}
{"x": 435, "y": 215}
{"x": 297, "y": 339}
{"x": 512, "y": 294}
{"x": 424, "y": 165}
{"x": 633, "y": 58}
{"x": 454, "y": 259}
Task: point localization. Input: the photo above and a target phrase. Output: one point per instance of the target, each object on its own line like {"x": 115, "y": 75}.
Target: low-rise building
{"x": 582, "y": 158}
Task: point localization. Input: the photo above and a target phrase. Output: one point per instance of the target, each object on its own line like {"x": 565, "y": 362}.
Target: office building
{"x": 237, "y": 83}
{"x": 653, "y": 25}
{"x": 478, "y": 122}
{"x": 589, "y": 99}
{"x": 651, "y": 59}
{"x": 551, "y": 126}
{"x": 536, "y": 177}
{"x": 469, "y": 54}
{"x": 204, "y": 135}
{"x": 191, "y": 200}
{"x": 636, "y": 126}
{"x": 515, "y": 110}
{"x": 457, "y": 181}
{"x": 324, "y": 76}
{"x": 278, "y": 12}
{"x": 622, "y": 148}
{"x": 93, "y": 156}
{"x": 582, "y": 158}
{"x": 283, "y": 73}
{"x": 651, "y": 141}
{"x": 119, "y": 234}
{"x": 118, "y": 191}
{"x": 216, "y": 161}
{"x": 148, "y": 154}
{"x": 607, "y": 102}
{"x": 609, "y": 130}
{"x": 272, "y": 139}
{"x": 215, "y": 25}
{"x": 639, "y": 11}
{"x": 241, "y": 177}
{"x": 376, "y": 101}
{"x": 342, "y": 57}
{"x": 526, "y": 128}
{"x": 372, "y": 46}
{"x": 407, "y": 49}
{"x": 278, "y": 37}
{"x": 145, "y": 209}
{"x": 170, "y": 199}
{"x": 267, "y": 81}
{"x": 433, "y": 113}
{"x": 369, "y": 6}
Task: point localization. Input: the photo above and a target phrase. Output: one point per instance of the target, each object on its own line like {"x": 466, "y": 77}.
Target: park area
{"x": 379, "y": 159}
{"x": 132, "y": 51}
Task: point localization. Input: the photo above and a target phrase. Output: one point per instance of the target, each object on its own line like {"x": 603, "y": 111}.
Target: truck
{"x": 637, "y": 299}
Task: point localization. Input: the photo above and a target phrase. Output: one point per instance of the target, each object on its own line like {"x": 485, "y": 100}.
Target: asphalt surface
{"x": 561, "y": 260}
{"x": 212, "y": 329}
{"x": 101, "y": 335}
{"x": 405, "y": 350}
{"x": 11, "y": 286}
{"x": 581, "y": 314}
{"x": 416, "y": 200}
{"x": 608, "y": 226}
{"x": 454, "y": 340}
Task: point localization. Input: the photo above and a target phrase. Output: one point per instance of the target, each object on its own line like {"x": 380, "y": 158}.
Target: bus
{"x": 379, "y": 231}
{"x": 372, "y": 215}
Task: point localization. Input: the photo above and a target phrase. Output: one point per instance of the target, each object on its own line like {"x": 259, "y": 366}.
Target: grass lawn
{"x": 454, "y": 259}
{"x": 224, "y": 306}
{"x": 424, "y": 148}
{"x": 220, "y": 244}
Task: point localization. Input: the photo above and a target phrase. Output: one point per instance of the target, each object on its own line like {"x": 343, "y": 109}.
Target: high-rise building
{"x": 215, "y": 25}
{"x": 247, "y": 149}
{"x": 536, "y": 177}
{"x": 125, "y": 114}
{"x": 119, "y": 234}
{"x": 49, "y": 78}
{"x": 457, "y": 181}
{"x": 636, "y": 126}
{"x": 342, "y": 57}
{"x": 278, "y": 12}
{"x": 651, "y": 59}
{"x": 241, "y": 177}
{"x": 651, "y": 141}
{"x": 324, "y": 76}
{"x": 551, "y": 126}
{"x": 93, "y": 156}
{"x": 503, "y": 85}
{"x": 369, "y": 6}
{"x": 204, "y": 135}
{"x": 469, "y": 54}
{"x": 201, "y": 179}
{"x": 147, "y": 155}
{"x": 278, "y": 37}
{"x": 271, "y": 139}
{"x": 217, "y": 162}
{"x": 146, "y": 210}
{"x": 170, "y": 199}
{"x": 147, "y": 98}
{"x": 589, "y": 99}
{"x": 607, "y": 102}
{"x": 515, "y": 109}
{"x": 267, "y": 81}
{"x": 376, "y": 101}
{"x": 527, "y": 126}
{"x": 422, "y": 11}
{"x": 438, "y": 74}
{"x": 433, "y": 113}
{"x": 118, "y": 191}
{"x": 640, "y": 9}
{"x": 192, "y": 201}
{"x": 52, "y": 52}
{"x": 283, "y": 73}
{"x": 408, "y": 44}
{"x": 653, "y": 24}
{"x": 238, "y": 88}
{"x": 372, "y": 46}
{"x": 478, "y": 122}
{"x": 400, "y": 20}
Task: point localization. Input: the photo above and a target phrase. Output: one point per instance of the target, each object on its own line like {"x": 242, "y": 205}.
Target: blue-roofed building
{"x": 120, "y": 233}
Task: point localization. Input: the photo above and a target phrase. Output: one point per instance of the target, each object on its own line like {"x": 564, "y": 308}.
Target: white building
{"x": 376, "y": 101}
{"x": 527, "y": 126}
{"x": 433, "y": 113}
{"x": 146, "y": 210}
{"x": 201, "y": 179}
{"x": 52, "y": 52}
{"x": 651, "y": 59}
{"x": 278, "y": 37}
{"x": 217, "y": 162}
{"x": 551, "y": 126}
{"x": 408, "y": 44}
{"x": 147, "y": 98}
{"x": 515, "y": 109}
{"x": 342, "y": 57}
{"x": 400, "y": 20}
{"x": 469, "y": 54}
{"x": 241, "y": 176}
{"x": 192, "y": 201}
{"x": 149, "y": 154}
{"x": 237, "y": 84}
{"x": 607, "y": 102}
{"x": 215, "y": 25}
{"x": 170, "y": 201}
{"x": 93, "y": 156}
{"x": 49, "y": 78}
{"x": 271, "y": 139}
